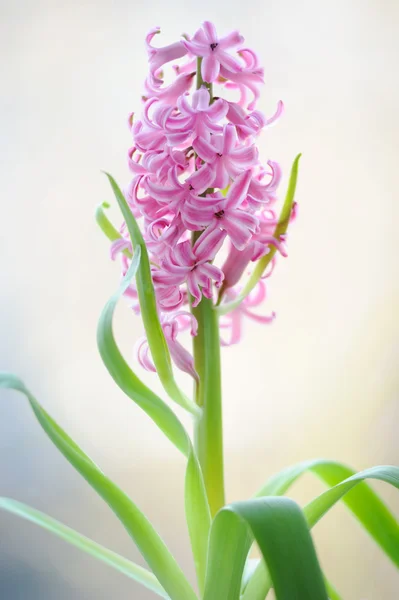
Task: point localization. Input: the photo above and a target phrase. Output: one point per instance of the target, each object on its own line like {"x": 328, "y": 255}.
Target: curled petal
{"x": 277, "y": 114}
{"x": 230, "y": 40}
{"x": 182, "y": 358}
{"x": 186, "y": 319}
{"x": 118, "y": 246}
{"x": 142, "y": 352}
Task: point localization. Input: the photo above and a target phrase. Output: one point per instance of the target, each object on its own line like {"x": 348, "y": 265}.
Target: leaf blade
{"x": 362, "y": 501}
{"x": 198, "y": 516}
{"x": 280, "y": 529}
{"x": 112, "y": 559}
{"x": 147, "y": 540}
{"x": 127, "y": 380}
{"x": 145, "y": 289}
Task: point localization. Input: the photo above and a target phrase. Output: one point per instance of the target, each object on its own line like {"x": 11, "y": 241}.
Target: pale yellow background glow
{"x": 321, "y": 382}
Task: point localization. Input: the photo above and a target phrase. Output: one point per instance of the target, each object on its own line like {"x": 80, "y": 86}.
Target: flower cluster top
{"x": 198, "y": 183}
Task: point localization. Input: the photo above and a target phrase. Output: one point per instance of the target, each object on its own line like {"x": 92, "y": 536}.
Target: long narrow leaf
{"x": 280, "y": 230}
{"x": 145, "y": 289}
{"x": 137, "y": 525}
{"x": 197, "y": 507}
{"x": 198, "y": 517}
{"x": 281, "y": 531}
{"x": 362, "y": 501}
{"x": 114, "y": 560}
{"x": 122, "y": 374}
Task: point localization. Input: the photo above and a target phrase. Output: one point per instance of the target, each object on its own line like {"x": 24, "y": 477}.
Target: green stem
{"x": 208, "y": 435}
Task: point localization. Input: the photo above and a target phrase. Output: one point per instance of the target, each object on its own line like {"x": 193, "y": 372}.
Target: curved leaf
{"x": 197, "y": 507}
{"x": 145, "y": 289}
{"x": 124, "y": 377}
{"x": 281, "y": 229}
{"x": 106, "y": 226}
{"x": 362, "y": 501}
{"x": 114, "y": 560}
{"x": 151, "y": 546}
{"x": 281, "y": 531}
{"x": 198, "y": 516}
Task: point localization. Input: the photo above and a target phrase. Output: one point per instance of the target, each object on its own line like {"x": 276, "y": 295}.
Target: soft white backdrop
{"x": 322, "y": 381}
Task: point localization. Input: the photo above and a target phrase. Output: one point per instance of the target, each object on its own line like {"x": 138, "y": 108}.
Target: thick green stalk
{"x": 208, "y": 435}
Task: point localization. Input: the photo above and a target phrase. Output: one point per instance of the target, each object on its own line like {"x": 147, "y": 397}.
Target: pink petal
{"x": 238, "y": 235}
{"x": 210, "y": 68}
{"x": 229, "y": 62}
{"x": 238, "y": 191}
{"x": 204, "y": 149}
{"x": 222, "y": 178}
{"x": 196, "y": 48}
{"x": 235, "y": 264}
{"x": 210, "y": 32}
{"x": 118, "y": 246}
{"x": 193, "y": 288}
{"x": 257, "y": 296}
{"x": 218, "y": 110}
{"x": 160, "y": 56}
{"x": 245, "y": 157}
{"x": 201, "y": 99}
{"x": 229, "y": 138}
{"x": 142, "y": 354}
{"x": 213, "y": 273}
{"x": 184, "y": 105}
{"x": 182, "y": 358}
{"x": 202, "y": 179}
{"x": 184, "y": 254}
{"x": 230, "y": 40}
{"x": 277, "y": 114}
{"x": 208, "y": 244}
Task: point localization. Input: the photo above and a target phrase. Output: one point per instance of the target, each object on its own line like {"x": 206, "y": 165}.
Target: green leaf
{"x": 124, "y": 377}
{"x": 331, "y": 591}
{"x": 198, "y": 516}
{"x": 145, "y": 289}
{"x": 114, "y": 560}
{"x": 106, "y": 226}
{"x": 362, "y": 501}
{"x": 280, "y": 230}
{"x": 281, "y": 531}
{"x": 197, "y": 507}
{"x": 151, "y": 546}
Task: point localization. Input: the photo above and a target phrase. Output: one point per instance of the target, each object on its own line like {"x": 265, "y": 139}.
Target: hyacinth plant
{"x": 201, "y": 235}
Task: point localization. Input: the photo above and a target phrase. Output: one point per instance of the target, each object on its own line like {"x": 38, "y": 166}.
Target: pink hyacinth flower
{"x": 234, "y": 320}
{"x": 198, "y": 120}
{"x": 171, "y": 326}
{"x": 206, "y": 44}
{"x": 219, "y": 212}
{"x": 160, "y": 56}
{"x": 192, "y": 264}
{"x": 224, "y": 156}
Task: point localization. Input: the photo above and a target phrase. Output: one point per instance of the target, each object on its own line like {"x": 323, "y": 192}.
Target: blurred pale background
{"x": 322, "y": 381}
